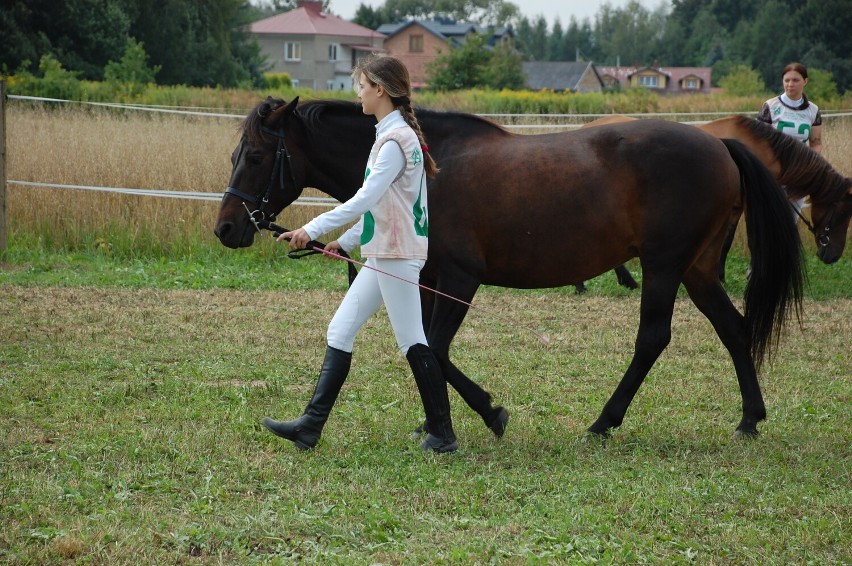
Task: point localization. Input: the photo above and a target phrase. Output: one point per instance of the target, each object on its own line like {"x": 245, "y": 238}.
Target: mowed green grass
{"x": 129, "y": 431}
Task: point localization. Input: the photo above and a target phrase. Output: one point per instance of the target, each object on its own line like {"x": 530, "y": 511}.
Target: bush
{"x": 277, "y": 81}
{"x": 742, "y": 81}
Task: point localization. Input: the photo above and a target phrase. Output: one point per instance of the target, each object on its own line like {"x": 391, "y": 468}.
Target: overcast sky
{"x": 564, "y": 9}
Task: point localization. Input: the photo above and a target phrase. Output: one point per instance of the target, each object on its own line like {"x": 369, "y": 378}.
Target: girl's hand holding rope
{"x": 298, "y": 238}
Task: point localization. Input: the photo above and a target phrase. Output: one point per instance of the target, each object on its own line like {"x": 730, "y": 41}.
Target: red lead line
{"x": 544, "y": 339}
{"x": 350, "y": 260}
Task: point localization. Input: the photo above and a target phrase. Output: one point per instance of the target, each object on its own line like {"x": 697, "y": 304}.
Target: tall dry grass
{"x": 119, "y": 148}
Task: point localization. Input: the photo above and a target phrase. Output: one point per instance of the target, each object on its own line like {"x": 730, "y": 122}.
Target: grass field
{"x": 130, "y": 434}
{"x": 137, "y": 357}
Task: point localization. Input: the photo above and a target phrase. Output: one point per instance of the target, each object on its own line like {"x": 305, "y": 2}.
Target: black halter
{"x": 823, "y": 238}
{"x": 264, "y": 221}
{"x": 259, "y": 214}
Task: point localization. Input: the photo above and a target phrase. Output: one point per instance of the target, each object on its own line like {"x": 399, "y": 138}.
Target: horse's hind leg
{"x": 447, "y": 317}
{"x": 726, "y": 247}
{"x": 710, "y": 298}
{"x": 624, "y": 277}
{"x": 655, "y": 329}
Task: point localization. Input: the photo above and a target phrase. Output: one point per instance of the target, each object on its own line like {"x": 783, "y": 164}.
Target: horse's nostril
{"x": 223, "y": 229}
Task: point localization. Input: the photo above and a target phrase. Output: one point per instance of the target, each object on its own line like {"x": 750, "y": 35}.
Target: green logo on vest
{"x": 416, "y": 156}
{"x": 369, "y": 222}
{"x": 421, "y": 219}
{"x": 369, "y": 228}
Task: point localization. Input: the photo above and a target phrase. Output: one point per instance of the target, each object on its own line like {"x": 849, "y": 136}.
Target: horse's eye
{"x": 254, "y": 158}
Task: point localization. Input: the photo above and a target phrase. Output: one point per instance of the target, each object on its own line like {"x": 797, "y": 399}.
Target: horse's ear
{"x": 284, "y": 112}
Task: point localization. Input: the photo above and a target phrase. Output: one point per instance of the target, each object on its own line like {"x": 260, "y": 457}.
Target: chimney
{"x": 312, "y": 6}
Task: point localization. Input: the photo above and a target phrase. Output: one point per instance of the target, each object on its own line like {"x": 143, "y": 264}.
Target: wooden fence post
{"x": 2, "y": 166}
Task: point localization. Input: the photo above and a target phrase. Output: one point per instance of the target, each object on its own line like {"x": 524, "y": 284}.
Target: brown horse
{"x": 540, "y": 211}
{"x": 800, "y": 170}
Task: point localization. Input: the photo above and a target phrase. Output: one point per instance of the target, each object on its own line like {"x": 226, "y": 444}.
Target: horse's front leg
{"x": 446, "y": 319}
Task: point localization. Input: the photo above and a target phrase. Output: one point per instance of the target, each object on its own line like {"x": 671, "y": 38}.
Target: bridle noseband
{"x": 264, "y": 221}
{"x": 259, "y": 215}
{"x": 823, "y": 238}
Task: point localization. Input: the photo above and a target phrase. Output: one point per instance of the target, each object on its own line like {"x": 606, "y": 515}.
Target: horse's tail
{"x": 777, "y": 268}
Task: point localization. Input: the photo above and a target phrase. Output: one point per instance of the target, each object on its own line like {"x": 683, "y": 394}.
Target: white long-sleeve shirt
{"x": 388, "y": 165}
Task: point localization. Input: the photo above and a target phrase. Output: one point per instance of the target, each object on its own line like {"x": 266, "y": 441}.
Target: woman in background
{"x": 794, "y": 115}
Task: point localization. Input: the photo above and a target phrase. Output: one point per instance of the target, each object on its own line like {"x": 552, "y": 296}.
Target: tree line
{"x": 202, "y": 43}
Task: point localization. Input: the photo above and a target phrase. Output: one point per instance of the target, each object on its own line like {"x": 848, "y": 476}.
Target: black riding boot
{"x": 436, "y": 404}
{"x": 305, "y": 431}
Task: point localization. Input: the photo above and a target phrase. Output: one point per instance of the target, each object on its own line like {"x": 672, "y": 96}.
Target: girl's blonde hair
{"x": 391, "y": 74}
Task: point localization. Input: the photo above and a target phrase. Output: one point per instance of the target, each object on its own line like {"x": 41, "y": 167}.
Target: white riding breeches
{"x": 369, "y": 291}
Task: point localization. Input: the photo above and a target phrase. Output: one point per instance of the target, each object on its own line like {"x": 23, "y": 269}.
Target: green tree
{"x": 827, "y": 44}
{"x": 531, "y": 37}
{"x": 578, "y": 42}
{"x": 193, "y": 42}
{"x": 473, "y": 64}
{"x": 81, "y": 34}
{"x": 821, "y": 88}
{"x": 131, "y": 74}
{"x": 461, "y": 67}
{"x": 504, "y": 69}
{"x": 630, "y": 35}
{"x": 133, "y": 66}
{"x": 555, "y": 43}
{"x": 742, "y": 81}
{"x": 489, "y": 13}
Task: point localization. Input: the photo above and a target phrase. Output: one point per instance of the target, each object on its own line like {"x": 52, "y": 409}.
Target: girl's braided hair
{"x": 392, "y": 75}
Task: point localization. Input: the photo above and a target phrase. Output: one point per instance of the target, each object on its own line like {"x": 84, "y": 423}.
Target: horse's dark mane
{"x": 313, "y": 112}
{"x": 803, "y": 171}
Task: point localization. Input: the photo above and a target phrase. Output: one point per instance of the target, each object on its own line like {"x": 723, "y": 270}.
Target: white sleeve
{"x": 390, "y": 162}
{"x": 351, "y": 237}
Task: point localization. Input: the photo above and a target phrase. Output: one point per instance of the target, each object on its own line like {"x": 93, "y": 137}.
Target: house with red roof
{"x": 664, "y": 80}
{"x": 317, "y": 49}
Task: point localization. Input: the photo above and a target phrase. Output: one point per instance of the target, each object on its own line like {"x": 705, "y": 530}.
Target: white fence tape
{"x": 304, "y": 201}
{"x": 321, "y": 201}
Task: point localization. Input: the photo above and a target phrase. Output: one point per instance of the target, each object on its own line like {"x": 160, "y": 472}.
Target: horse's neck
{"x": 338, "y": 151}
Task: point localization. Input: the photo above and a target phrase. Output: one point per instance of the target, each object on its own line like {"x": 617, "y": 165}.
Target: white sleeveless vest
{"x": 794, "y": 122}
{"x": 398, "y": 225}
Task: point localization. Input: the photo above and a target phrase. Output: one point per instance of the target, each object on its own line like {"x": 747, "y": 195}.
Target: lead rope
{"x": 314, "y": 247}
{"x": 543, "y": 338}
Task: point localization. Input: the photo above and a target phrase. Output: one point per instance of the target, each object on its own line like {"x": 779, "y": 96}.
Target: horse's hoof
{"x": 597, "y": 431}
{"x": 499, "y": 422}
{"x": 418, "y": 432}
{"x": 596, "y": 437}
{"x": 439, "y": 445}
{"x": 741, "y": 433}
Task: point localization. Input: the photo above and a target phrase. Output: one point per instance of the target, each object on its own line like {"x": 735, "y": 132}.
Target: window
{"x": 648, "y": 81}
{"x": 292, "y": 51}
{"x": 691, "y": 84}
{"x": 294, "y": 83}
{"x": 332, "y": 51}
{"x": 415, "y": 43}
{"x": 329, "y": 85}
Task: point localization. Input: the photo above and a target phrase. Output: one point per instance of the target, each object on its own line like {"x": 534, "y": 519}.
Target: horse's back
{"x": 600, "y": 195}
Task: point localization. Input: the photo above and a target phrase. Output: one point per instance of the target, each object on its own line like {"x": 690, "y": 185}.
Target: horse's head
{"x": 831, "y": 224}
{"x": 265, "y": 178}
